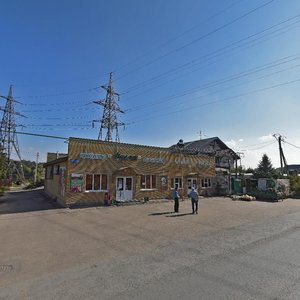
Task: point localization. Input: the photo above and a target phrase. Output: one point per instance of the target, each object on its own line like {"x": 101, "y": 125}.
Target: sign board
{"x": 91, "y": 155}
{"x": 76, "y": 183}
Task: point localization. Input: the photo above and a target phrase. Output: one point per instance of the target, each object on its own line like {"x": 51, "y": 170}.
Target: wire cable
{"x": 221, "y": 100}
{"x": 219, "y": 52}
{"x": 199, "y": 38}
{"x": 292, "y": 145}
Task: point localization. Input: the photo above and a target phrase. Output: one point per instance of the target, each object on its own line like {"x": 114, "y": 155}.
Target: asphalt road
{"x": 25, "y": 201}
{"x": 231, "y": 250}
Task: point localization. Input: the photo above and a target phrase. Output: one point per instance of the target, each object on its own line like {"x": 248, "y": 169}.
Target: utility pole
{"x": 283, "y": 162}
{"x": 240, "y": 154}
{"x": 8, "y": 136}
{"x": 36, "y": 166}
{"x": 109, "y": 119}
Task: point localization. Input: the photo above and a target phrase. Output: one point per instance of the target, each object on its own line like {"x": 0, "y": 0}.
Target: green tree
{"x": 3, "y": 164}
{"x": 265, "y": 168}
{"x": 295, "y": 184}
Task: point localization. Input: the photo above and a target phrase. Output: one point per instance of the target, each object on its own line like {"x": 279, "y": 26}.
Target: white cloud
{"x": 231, "y": 144}
{"x": 266, "y": 138}
{"x": 241, "y": 140}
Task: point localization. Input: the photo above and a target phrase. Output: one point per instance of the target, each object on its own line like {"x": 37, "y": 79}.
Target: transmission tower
{"x": 283, "y": 162}
{"x": 8, "y": 136}
{"x": 111, "y": 107}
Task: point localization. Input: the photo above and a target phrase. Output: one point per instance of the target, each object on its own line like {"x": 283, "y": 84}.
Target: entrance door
{"x": 124, "y": 189}
{"x": 191, "y": 182}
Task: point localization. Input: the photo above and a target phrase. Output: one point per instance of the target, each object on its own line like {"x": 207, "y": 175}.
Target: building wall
{"x": 55, "y": 184}
{"x": 127, "y": 160}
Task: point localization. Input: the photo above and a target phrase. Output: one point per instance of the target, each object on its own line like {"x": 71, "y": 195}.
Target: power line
{"x": 261, "y": 147}
{"x": 291, "y": 144}
{"x": 219, "y": 52}
{"x": 150, "y": 51}
{"x": 57, "y": 103}
{"x": 222, "y": 81}
{"x": 41, "y": 135}
{"x": 60, "y": 94}
{"x": 199, "y": 38}
{"x": 74, "y": 108}
{"x": 221, "y": 100}
{"x": 57, "y": 125}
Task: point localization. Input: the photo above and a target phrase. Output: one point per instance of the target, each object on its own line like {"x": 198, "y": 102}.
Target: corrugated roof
{"x": 126, "y": 144}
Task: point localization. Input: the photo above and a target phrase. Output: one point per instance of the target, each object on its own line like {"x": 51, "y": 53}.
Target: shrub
{"x": 3, "y": 189}
{"x": 269, "y": 195}
{"x": 33, "y": 185}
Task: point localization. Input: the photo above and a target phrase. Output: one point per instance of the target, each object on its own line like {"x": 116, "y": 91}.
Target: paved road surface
{"x": 231, "y": 250}
{"x": 25, "y": 201}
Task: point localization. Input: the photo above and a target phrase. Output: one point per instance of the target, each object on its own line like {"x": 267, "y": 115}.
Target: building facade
{"x": 94, "y": 172}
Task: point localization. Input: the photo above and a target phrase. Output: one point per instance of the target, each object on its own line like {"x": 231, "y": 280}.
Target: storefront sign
{"x": 76, "y": 183}
{"x": 204, "y": 164}
{"x": 92, "y": 155}
{"x": 154, "y": 160}
{"x": 119, "y": 156}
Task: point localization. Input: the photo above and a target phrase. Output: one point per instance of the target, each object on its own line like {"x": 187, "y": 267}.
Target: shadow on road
{"x": 161, "y": 213}
{"x": 26, "y": 201}
{"x": 179, "y": 215}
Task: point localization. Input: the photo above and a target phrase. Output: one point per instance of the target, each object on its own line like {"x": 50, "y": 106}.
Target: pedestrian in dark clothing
{"x": 176, "y": 199}
{"x": 194, "y": 197}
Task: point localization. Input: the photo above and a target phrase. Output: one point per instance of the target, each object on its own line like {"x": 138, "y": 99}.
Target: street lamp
{"x": 180, "y": 145}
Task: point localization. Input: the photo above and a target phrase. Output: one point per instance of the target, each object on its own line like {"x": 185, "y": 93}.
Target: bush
{"x": 33, "y": 185}
{"x": 3, "y": 189}
{"x": 269, "y": 195}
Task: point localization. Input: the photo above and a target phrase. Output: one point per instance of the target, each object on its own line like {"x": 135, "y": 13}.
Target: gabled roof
{"x": 212, "y": 145}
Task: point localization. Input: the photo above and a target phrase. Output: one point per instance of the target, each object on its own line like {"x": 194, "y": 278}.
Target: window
{"x": 206, "y": 183}
{"x": 56, "y": 170}
{"x": 177, "y": 181}
{"x": 148, "y": 182}
{"x": 49, "y": 172}
{"x": 96, "y": 182}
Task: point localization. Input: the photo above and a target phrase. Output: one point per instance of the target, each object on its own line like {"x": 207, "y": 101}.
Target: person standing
{"x": 194, "y": 197}
{"x": 176, "y": 199}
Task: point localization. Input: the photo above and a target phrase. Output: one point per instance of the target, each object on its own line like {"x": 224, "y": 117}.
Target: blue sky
{"x": 225, "y": 68}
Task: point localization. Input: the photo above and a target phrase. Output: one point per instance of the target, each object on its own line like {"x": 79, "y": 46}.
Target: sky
{"x": 184, "y": 70}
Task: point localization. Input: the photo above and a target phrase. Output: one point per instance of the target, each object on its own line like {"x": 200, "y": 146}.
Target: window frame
{"x": 100, "y": 183}
{"x": 176, "y": 180}
{"x": 148, "y": 178}
{"x": 206, "y": 183}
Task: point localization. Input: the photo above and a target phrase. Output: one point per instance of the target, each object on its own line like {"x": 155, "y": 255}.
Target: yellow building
{"x": 96, "y": 172}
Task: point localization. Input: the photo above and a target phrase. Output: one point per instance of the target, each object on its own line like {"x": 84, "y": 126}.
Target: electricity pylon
{"x": 8, "y": 136}
{"x": 111, "y": 107}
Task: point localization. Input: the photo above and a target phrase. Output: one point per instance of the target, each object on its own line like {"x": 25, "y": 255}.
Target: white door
{"x": 124, "y": 189}
{"x": 191, "y": 182}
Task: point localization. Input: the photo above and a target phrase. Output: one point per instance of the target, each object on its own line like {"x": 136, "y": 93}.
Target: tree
{"x": 265, "y": 168}
{"x": 3, "y": 164}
